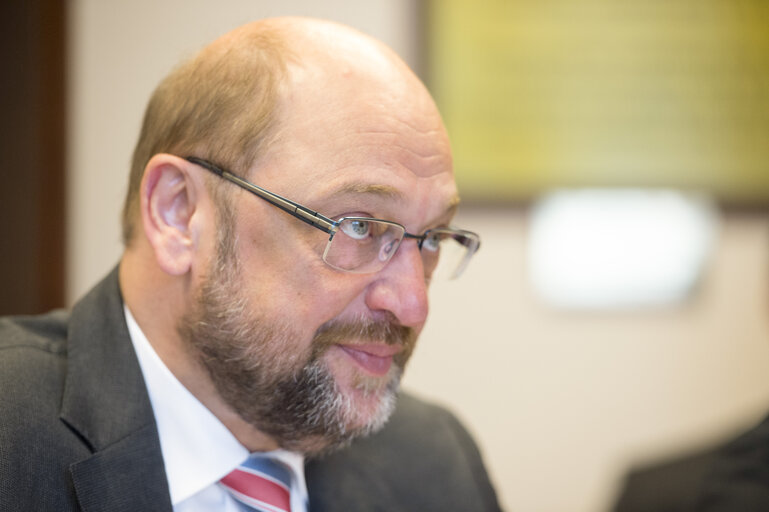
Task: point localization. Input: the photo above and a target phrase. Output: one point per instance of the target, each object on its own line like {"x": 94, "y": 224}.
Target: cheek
{"x": 289, "y": 280}
{"x": 301, "y": 292}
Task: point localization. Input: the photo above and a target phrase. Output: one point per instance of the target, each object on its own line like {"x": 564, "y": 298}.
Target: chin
{"x": 370, "y": 402}
{"x": 369, "y": 412}
{"x": 367, "y": 400}
{"x": 358, "y": 415}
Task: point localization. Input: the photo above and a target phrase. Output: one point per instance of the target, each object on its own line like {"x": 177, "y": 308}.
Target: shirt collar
{"x": 198, "y": 450}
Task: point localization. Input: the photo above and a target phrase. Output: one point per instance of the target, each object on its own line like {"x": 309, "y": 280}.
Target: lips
{"x": 374, "y": 358}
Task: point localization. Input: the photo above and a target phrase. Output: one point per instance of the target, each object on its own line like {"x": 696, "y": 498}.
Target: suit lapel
{"x": 124, "y": 477}
{"x": 105, "y": 401}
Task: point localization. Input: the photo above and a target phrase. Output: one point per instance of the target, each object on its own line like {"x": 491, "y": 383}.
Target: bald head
{"x": 320, "y": 44}
{"x": 229, "y": 101}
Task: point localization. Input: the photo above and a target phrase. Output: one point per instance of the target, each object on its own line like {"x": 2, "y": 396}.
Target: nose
{"x": 400, "y": 288}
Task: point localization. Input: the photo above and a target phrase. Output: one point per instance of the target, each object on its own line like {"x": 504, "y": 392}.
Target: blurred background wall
{"x": 562, "y": 401}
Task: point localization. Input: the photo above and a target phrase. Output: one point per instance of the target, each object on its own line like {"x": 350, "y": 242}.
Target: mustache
{"x": 386, "y": 331}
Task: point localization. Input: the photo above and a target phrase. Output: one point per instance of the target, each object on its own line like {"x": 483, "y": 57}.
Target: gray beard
{"x": 297, "y": 403}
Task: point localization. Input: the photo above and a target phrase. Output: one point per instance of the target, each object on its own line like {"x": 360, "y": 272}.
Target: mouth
{"x": 376, "y": 359}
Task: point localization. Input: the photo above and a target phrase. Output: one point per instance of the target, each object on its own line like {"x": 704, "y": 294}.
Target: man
{"x": 247, "y": 347}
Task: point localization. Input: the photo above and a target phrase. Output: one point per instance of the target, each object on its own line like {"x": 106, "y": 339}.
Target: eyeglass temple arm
{"x": 297, "y": 210}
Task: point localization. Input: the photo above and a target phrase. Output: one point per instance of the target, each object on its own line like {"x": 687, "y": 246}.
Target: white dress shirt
{"x": 198, "y": 450}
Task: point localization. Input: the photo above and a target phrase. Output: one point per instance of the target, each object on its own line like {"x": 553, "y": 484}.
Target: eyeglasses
{"x": 365, "y": 245}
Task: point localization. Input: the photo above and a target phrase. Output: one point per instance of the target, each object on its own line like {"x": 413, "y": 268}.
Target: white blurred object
{"x": 619, "y": 248}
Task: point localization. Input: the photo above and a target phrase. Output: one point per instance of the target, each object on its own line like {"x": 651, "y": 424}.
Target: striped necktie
{"x": 260, "y": 483}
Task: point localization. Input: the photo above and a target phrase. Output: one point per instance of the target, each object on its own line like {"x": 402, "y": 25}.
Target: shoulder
{"x": 424, "y": 459}
{"x": 46, "y": 333}
{"x": 31, "y": 348}
{"x": 428, "y": 427}
{"x": 35, "y": 446}
{"x": 739, "y": 476}
{"x": 425, "y": 431}
{"x": 33, "y": 364}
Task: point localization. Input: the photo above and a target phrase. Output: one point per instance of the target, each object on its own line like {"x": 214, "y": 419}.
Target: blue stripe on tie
{"x": 269, "y": 467}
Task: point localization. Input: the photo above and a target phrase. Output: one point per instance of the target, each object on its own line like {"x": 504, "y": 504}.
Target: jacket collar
{"x": 106, "y": 403}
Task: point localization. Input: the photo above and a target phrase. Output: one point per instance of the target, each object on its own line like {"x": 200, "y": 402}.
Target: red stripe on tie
{"x": 258, "y": 488}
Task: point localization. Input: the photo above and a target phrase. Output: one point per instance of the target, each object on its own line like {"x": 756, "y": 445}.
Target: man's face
{"x": 311, "y": 355}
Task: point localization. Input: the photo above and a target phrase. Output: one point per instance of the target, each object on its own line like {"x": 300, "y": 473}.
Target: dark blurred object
{"x": 739, "y": 477}
{"x": 670, "y": 486}
{"x": 732, "y": 477}
{"x": 32, "y": 155}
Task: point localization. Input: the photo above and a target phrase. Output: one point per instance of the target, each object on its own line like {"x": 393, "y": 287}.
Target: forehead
{"x": 350, "y": 135}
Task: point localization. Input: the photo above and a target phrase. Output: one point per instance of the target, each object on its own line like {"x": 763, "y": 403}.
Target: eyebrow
{"x": 384, "y": 191}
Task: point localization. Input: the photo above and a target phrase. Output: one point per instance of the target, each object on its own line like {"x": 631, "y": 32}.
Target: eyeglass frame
{"x": 318, "y": 220}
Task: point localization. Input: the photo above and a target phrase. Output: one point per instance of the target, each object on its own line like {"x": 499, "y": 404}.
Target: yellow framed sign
{"x": 551, "y": 93}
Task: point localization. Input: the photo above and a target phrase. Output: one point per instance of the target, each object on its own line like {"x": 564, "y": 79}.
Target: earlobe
{"x": 169, "y": 196}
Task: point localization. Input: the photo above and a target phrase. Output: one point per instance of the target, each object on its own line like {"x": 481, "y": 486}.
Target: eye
{"x": 432, "y": 242}
{"x": 357, "y": 229}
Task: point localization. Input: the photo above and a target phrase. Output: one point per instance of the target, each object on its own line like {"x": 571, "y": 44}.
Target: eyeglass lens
{"x": 366, "y": 245}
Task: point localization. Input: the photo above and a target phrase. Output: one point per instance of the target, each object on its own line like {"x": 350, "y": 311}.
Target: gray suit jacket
{"x": 77, "y": 431}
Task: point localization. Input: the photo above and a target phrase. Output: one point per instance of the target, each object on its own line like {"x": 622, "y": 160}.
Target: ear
{"x": 170, "y": 197}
